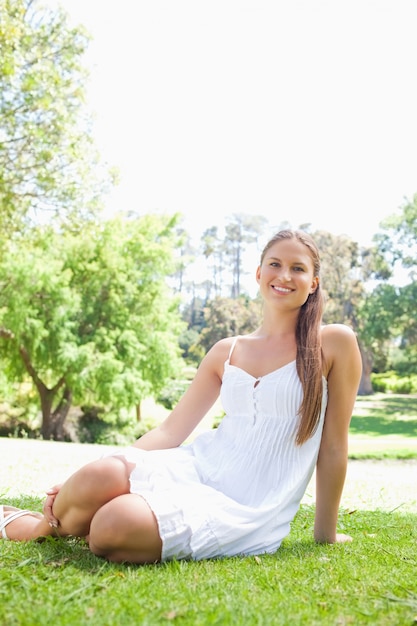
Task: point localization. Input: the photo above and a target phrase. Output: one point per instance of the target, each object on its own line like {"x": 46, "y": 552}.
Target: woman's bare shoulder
{"x": 338, "y": 341}
{"x": 337, "y": 332}
{"x": 219, "y": 352}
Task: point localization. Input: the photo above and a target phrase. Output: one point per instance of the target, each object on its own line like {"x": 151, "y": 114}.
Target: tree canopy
{"x": 390, "y": 310}
{"x": 397, "y": 241}
{"x": 48, "y": 164}
{"x": 89, "y": 317}
{"x": 225, "y": 317}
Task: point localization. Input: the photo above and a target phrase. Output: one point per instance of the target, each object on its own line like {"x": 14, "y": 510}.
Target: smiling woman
{"x": 290, "y": 268}
{"x": 288, "y": 390}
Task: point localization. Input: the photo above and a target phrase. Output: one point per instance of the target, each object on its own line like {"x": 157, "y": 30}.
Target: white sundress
{"x": 234, "y": 490}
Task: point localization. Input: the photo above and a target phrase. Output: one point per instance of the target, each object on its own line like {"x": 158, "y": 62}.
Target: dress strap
{"x": 233, "y": 346}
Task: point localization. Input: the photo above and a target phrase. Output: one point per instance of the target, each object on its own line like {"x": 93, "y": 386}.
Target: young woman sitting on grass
{"x": 288, "y": 390}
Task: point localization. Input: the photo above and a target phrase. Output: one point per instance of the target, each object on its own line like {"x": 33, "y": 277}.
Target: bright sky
{"x": 299, "y": 110}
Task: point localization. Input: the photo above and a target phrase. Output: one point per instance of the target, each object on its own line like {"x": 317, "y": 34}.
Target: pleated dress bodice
{"x": 252, "y": 456}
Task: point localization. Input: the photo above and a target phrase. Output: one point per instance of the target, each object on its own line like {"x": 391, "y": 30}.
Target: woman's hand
{"x": 48, "y": 504}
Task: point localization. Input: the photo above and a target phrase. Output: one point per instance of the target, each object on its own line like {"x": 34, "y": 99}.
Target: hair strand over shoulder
{"x": 308, "y": 339}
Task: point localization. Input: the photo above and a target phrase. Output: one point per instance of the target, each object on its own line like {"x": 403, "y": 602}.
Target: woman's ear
{"x": 314, "y": 284}
{"x": 258, "y": 274}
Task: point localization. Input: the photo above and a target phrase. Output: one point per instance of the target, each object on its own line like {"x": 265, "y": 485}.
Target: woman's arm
{"x": 194, "y": 404}
{"x": 197, "y": 400}
{"x": 341, "y": 353}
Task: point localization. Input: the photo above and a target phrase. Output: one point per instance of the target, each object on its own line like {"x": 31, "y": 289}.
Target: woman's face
{"x": 287, "y": 273}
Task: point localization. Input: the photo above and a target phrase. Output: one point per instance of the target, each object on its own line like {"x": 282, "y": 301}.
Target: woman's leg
{"x": 79, "y": 498}
{"x": 125, "y": 530}
{"x": 86, "y": 491}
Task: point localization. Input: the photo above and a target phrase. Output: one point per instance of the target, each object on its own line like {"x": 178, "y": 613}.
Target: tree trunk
{"x": 60, "y": 414}
{"x": 46, "y": 396}
{"x": 138, "y": 412}
{"x": 53, "y": 421}
{"x": 365, "y": 386}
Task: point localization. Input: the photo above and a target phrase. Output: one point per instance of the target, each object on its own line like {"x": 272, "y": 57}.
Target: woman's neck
{"x": 278, "y": 325}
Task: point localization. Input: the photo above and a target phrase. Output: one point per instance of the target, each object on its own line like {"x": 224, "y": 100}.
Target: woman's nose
{"x": 285, "y": 274}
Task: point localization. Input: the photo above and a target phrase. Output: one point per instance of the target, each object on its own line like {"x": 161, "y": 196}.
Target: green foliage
{"x": 391, "y": 382}
{"x": 380, "y": 313}
{"x": 370, "y": 581}
{"x": 96, "y": 426}
{"x": 402, "y": 361}
{"x": 408, "y": 321}
{"x": 340, "y": 278}
{"x": 225, "y": 317}
{"x": 18, "y": 409}
{"x": 389, "y": 312}
{"x": 89, "y": 316}
{"x": 142, "y": 427}
{"x": 187, "y": 340}
{"x": 224, "y": 252}
{"x": 172, "y": 393}
{"x": 193, "y": 313}
{"x": 218, "y": 419}
{"x": 47, "y": 158}
{"x": 386, "y": 314}
{"x": 379, "y": 322}
{"x": 397, "y": 241}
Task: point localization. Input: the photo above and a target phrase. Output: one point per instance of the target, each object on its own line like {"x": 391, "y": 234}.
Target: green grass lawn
{"x": 372, "y": 580}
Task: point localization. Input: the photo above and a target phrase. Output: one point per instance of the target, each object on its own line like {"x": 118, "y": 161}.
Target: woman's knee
{"x": 105, "y": 532}
{"x": 109, "y": 474}
{"x": 125, "y": 529}
{"x": 86, "y": 491}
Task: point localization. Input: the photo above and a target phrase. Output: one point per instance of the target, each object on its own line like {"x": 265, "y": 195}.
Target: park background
{"x": 134, "y": 203}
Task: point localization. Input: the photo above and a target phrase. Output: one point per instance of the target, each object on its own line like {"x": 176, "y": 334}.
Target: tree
{"x": 397, "y": 240}
{"x": 185, "y": 255}
{"x": 48, "y": 165}
{"x": 396, "y": 245}
{"x": 225, "y": 317}
{"x": 341, "y": 279}
{"x": 241, "y": 230}
{"x": 379, "y": 315}
{"x": 213, "y": 250}
{"x": 89, "y": 317}
{"x": 387, "y": 312}
{"x": 343, "y": 285}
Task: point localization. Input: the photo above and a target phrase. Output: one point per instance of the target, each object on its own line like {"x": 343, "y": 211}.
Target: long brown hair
{"x": 307, "y": 336}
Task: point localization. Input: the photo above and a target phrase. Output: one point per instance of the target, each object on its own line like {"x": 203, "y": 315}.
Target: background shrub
{"x": 391, "y": 382}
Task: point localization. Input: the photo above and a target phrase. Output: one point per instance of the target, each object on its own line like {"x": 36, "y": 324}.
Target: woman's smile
{"x": 283, "y": 290}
